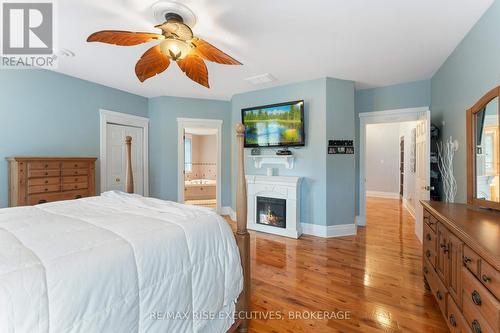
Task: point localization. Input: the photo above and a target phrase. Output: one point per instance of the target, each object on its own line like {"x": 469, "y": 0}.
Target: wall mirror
{"x": 483, "y": 152}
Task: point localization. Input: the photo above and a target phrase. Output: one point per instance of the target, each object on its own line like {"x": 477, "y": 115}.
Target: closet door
{"x": 116, "y": 157}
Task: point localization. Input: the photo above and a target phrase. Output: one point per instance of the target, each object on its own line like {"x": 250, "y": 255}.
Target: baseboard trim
{"x": 409, "y": 208}
{"x": 329, "y": 231}
{"x": 229, "y": 212}
{"x": 381, "y": 194}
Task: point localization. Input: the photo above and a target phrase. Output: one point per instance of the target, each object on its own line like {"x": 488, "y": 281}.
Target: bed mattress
{"x": 117, "y": 263}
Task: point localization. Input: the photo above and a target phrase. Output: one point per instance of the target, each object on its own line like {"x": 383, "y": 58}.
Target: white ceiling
{"x": 374, "y": 43}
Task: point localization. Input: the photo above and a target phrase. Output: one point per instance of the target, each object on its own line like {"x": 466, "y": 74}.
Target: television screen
{"x": 274, "y": 125}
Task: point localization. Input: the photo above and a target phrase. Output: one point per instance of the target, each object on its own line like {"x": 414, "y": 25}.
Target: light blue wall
{"x": 469, "y": 72}
{"x": 329, "y": 110}
{"x": 46, "y": 113}
{"x": 400, "y": 96}
{"x": 310, "y": 160}
{"x": 340, "y": 169}
{"x": 163, "y": 114}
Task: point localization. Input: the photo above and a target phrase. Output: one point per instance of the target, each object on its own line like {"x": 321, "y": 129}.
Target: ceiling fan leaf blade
{"x": 209, "y": 52}
{"x": 152, "y": 62}
{"x": 194, "y": 67}
{"x": 123, "y": 38}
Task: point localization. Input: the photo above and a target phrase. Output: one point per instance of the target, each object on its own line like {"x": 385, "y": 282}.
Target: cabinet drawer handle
{"x": 476, "y": 298}
{"x": 428, "y": 254}
{"x": 429, "y": 237}
{"x": 46, "y": 174}
{"x": 46, "y": 189}
{"x": 445, "y": 248}
{"x": 453, "y": 321}
{"x": 476, "y": 327}
{"x": 486, "y": 278}
{"x": 46, "y": 166}
{"x": 467, "y": 260}
{"x": 439, "y": 295}
{"x": 46, "y": 181}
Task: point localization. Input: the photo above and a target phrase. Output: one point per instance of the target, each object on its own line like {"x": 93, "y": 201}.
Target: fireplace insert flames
{"x": 271, "y": 211}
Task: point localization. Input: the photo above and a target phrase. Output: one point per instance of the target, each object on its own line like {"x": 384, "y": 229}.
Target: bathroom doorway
{"x": 199, "y": 162}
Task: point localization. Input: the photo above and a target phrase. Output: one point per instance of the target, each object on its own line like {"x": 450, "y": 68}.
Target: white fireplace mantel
{"x": 278, "y": 187}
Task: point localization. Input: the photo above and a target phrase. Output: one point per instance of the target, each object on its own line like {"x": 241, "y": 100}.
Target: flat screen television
{"x": 277, "y": 125}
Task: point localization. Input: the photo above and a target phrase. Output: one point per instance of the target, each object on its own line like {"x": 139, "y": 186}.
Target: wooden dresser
{"x": 461, "y": 264}
{"x": 36, "y": 180}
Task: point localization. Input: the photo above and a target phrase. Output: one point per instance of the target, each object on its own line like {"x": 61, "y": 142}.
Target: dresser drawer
{"x": 44, "y": 173}
{"x": 471, "y": 260}
{"x": 75, "y": 172}
{"x": 479, "y": 300}
{"x": 438, "y": 289}
{"x": 455, "y": 320}
{"x": 44, "y": 181}
{"x": 75, "y": 186}
{"x": 430, "y": 244}
{"x": 41, "y": 165}
{"x": 474, "y": 318}
{"x": 430, "y": 220}
{"x": 490, "y": 278}
{"x": 75, "y": 165}
{"x": 44, "y": 189}
{"x": 74, "y": 179}
{"x": 50, "y": 197}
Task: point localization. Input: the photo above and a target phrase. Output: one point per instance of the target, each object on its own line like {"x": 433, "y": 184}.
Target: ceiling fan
{"x": 177, "y": 43}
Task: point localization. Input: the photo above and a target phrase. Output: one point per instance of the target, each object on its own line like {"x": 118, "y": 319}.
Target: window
{"x": 188, "y": 153}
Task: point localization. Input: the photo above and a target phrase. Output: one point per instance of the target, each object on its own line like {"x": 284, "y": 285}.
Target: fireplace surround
{"x": 274, "y": 205}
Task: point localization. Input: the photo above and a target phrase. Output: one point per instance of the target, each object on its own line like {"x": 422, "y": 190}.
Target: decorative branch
{"x": 446, "y": 152}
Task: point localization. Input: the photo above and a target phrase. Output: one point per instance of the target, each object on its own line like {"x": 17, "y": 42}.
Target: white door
{"x": 422, "y": 179}
{"x": 116, "y": 156}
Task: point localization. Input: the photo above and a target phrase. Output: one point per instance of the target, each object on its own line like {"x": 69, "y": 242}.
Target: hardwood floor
{"x": 375, "y": 277}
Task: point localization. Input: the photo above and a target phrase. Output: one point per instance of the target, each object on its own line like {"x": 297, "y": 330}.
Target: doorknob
{"x": 117, "y": 180}
{"x": 429, "y": 188}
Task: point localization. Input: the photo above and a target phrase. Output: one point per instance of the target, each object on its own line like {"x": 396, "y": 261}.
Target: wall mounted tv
{"x": 277, "y": 125}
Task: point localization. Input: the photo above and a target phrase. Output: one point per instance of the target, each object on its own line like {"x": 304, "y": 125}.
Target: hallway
{"x": 376, "y": 276}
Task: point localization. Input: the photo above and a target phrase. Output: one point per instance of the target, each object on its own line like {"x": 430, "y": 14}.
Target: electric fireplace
{"x": 271, "y": 211}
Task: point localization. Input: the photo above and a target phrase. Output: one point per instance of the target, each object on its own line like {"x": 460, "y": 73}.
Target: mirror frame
{"x": 471, "y": 156}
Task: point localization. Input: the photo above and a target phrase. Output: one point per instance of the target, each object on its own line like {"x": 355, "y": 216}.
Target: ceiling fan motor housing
{"x": 173, "y": 17}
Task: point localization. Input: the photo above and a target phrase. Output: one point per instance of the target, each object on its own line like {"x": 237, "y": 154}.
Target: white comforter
{"x": 116, "y": 263}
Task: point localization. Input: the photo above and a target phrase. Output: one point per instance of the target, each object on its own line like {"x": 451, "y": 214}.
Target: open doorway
{"x": 200, "y": 162}
{"x": 390, "y": 160}
{"x": 392, "y": 168}
{"x": 200, "y": 167}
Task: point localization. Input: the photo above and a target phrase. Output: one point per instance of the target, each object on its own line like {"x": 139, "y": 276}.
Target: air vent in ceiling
{"x": 261, "y": 79}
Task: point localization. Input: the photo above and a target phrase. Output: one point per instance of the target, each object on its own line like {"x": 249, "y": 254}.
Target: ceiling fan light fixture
{"x": 175, "y": 48}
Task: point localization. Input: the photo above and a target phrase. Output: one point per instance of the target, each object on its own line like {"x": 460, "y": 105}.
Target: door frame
{"x": 183, "y": 123}
{"x": 378, "y": 117}
{"x": 123, "y": 119}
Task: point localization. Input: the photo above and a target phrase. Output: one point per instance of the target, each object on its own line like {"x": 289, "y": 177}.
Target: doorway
{"x": 115, "y": 127}
{"x": 415, "y": 124}
{"x": 200, "y": 148}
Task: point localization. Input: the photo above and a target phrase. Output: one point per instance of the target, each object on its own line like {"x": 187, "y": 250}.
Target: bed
{"x": 124, "y": 263}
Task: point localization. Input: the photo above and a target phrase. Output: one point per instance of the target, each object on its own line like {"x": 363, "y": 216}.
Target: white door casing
{"x": 422, "y": 174}
{"x": 421, "y": 114}
{"x": 110, "y": 117}
{"x": 117, "y": 157}
{"x": 182, "y": 124}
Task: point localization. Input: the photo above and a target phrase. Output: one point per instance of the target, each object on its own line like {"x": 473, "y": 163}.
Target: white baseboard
{"x": 381, "y": 194}
{"x": 328, "y": 231}
{"x": 228, "y": 211}
{"x": 409, "y": 207}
